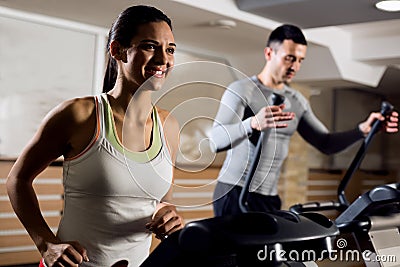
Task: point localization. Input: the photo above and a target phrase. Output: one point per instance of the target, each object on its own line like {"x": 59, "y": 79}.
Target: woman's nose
{"x": 160, "y": 57}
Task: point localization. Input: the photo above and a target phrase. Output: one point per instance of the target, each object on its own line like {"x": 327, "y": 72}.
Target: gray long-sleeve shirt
{"x": 232, "y": 131}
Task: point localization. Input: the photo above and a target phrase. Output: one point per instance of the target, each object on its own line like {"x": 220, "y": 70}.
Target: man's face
{"x": 284, "y": 60}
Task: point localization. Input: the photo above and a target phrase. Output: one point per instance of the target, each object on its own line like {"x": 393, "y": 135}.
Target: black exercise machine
{"x": 373, "y": 218}
{"x": 248, "y": 239}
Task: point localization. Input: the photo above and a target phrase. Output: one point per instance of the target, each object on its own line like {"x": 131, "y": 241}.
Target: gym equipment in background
{"x": 373, "y": 218}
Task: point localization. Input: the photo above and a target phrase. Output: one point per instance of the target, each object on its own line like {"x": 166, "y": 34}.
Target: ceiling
{"x": 350, "y": 43}
{"x": 317, "y": 13}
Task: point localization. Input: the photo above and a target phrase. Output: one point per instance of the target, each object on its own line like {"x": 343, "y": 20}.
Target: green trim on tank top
{"x": 111, "y": 135}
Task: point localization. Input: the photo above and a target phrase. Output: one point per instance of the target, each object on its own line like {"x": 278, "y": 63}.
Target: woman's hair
{"x": 286, "y": 32}
{"x": 123, "y": 30}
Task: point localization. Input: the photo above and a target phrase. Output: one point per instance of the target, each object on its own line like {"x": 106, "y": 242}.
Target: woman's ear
{"x": 117, "y": 51}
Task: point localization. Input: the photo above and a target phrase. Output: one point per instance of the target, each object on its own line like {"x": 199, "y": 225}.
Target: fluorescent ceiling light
{"x": 223, "y": 23}
{"x": 388, "y": 5}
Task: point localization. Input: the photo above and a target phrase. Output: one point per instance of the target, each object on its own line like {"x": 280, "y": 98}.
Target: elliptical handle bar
{"x": 315, "y": 206}
{"x": 276, "y": 100}
{"x": 386, "y": 109}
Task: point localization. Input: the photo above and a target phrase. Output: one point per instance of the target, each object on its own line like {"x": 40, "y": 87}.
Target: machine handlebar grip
{"x": 316, "y": 206}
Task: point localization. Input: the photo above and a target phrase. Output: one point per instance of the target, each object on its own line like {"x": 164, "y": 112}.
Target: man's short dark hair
{"x": 287, "y": 32}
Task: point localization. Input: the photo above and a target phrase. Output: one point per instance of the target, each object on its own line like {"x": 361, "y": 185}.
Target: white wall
{"x": 42, "y": 63}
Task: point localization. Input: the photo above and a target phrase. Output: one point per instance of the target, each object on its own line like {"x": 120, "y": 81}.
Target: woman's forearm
{"x": 26, "y": 206}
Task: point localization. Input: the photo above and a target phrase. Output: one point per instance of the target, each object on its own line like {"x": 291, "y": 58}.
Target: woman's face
{"x": 151, "y": 55}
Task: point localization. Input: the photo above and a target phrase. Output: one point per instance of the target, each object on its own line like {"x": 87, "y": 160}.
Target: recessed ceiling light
{"x": 388, "y": 5}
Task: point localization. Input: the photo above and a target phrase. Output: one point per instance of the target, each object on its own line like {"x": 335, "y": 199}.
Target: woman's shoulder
{"x": 77, "y": 109}
{"x": 171, "y": 129}
{"x": 166, "y": 117}
{"x": 80, "y": 104}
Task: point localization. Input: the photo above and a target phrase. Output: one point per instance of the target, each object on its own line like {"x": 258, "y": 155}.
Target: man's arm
{"x": 315, "y": 133}
{"x": 228, "y": 129}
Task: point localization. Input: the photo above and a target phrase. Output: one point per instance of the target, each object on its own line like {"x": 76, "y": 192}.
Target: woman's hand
{"x": 390, "y": 125}
{"x": 165, "y": 221}
{"x": 64, "y": 254}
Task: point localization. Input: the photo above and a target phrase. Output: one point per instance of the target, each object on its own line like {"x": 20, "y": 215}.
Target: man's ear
{"x": 117, "y": 51}
{"x": 268, "y": 52}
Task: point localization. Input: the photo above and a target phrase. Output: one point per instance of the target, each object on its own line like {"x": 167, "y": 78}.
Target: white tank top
{"x": 111, "y": 193}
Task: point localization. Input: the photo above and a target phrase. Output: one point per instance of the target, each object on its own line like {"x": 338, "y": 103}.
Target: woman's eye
{"x": 148, "y": 46}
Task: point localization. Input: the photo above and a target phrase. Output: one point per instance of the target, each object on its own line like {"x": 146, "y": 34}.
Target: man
{"x": 236, "y": 128}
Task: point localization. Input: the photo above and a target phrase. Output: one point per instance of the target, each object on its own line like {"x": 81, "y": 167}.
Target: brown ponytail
{"x": 110, "y": 76}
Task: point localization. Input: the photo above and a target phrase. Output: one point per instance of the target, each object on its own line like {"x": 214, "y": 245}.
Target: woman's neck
{"x": 135, "y": 103}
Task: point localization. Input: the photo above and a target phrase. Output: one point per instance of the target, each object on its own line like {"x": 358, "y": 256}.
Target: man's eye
{"x": 170, "y": 50}
{"x": 290, "y": 58}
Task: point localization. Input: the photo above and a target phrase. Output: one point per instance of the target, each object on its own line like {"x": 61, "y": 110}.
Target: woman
{"x": 118, "y": 153}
